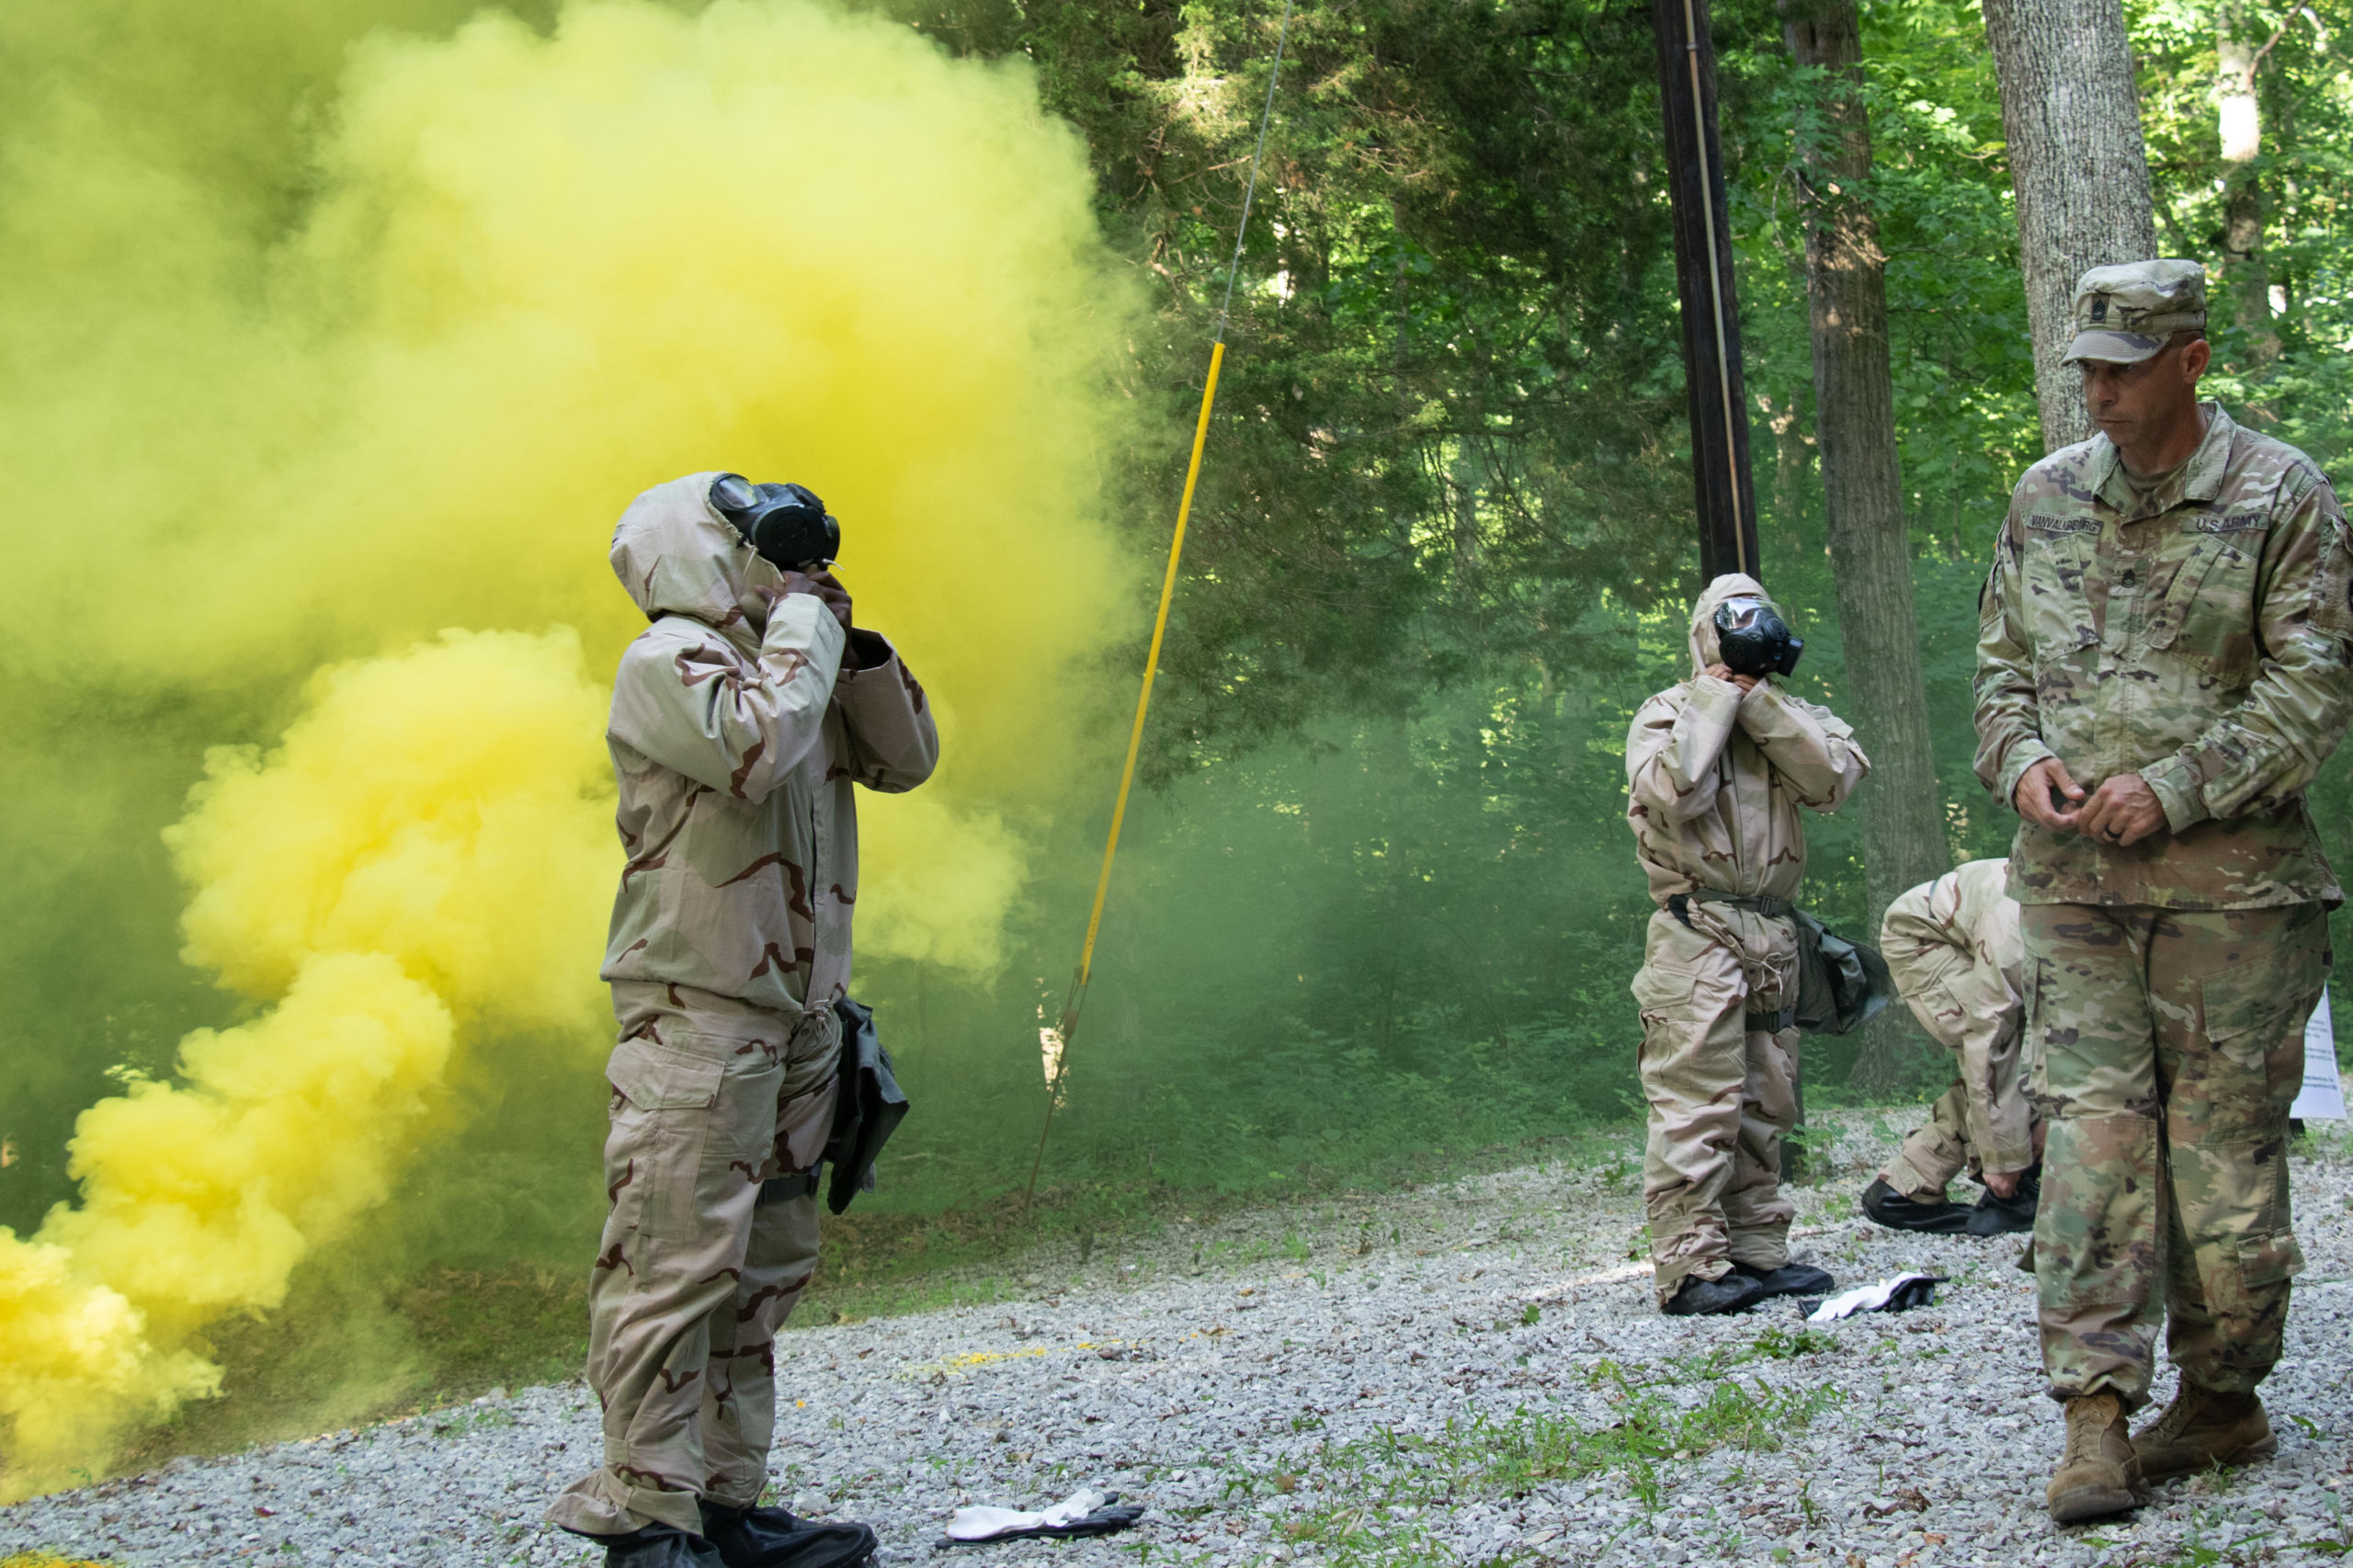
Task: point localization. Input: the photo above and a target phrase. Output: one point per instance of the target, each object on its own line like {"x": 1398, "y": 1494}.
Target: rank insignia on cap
{"x": 2127, "y": 313}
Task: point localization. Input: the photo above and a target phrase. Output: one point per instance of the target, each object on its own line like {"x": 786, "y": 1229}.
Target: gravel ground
{"x": 1472, "y": 1374}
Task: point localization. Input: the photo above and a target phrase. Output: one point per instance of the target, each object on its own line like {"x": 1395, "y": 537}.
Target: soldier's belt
{"x": 1679, "y": 905}
{"x": 1772, "y": 1023}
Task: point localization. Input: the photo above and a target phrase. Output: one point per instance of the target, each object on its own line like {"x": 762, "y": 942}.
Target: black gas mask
{"x": 786, "y": 523}
{"x": 1755, "y": 641}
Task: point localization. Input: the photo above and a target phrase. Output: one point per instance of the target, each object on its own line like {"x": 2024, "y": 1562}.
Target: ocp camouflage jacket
{"x": 2196, "y": 636}
{"x": 736, "y": 737}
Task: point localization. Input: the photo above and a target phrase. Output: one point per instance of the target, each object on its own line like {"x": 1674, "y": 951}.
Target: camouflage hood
{"x": 1731, "y": 586}
{"x": 676, "y": 556}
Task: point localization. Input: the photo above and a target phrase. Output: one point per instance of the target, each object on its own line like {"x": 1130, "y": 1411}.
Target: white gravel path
{"x": 1349, "y": 1382}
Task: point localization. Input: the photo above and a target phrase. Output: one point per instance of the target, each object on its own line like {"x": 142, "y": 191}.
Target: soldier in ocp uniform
{"x": 2162, "y": 669}
{"x": 1717, "y": 768}
{"x": 1952, "y": 945}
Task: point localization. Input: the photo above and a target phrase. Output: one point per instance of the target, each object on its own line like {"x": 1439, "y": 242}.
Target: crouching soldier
{"x": 1953, "y": 946}
{"x": 741, "y": 719}
{"x": 1717, "y": 767}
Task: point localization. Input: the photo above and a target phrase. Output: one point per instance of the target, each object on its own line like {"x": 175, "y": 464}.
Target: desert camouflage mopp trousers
{"x": 713, "y": 1102}
{"x": 2165, "y": 1048}
{"x": 1721, "y": 1094}
{"x": 1937, "y": 1151}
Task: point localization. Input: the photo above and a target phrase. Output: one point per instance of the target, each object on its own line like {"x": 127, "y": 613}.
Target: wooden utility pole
{"x": 1695, "y": 177}
{"x": 1712, "y": 380}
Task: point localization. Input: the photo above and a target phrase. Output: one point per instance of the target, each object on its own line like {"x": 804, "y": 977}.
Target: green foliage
{"x": 1371, "y": 1493}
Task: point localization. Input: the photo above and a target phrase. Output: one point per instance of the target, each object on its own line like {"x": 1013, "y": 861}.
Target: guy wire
{"x": 1067, "y": 1028}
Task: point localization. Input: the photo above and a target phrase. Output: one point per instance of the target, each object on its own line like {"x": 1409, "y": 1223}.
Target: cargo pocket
{"x": 662, "y": 1101}
{"x": 1665, "y": 993}
{"x": 2254, "y": 1013}
{"x": 2268, "y": 1260}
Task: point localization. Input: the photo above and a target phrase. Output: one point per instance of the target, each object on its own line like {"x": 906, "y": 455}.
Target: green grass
{"x": 1363, "y": 1504}
{"x": 1367, "y": 1498}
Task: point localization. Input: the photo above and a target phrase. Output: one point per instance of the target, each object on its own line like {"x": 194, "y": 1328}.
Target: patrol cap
{"x": 2125, "y": 313}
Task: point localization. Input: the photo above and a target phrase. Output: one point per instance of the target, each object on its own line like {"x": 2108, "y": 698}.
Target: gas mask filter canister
{"x": 1754, "y": 639}
{"x": 786, "y": 523}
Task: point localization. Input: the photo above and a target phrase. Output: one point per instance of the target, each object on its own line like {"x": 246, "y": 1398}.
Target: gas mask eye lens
{"x": 734, "y": 493}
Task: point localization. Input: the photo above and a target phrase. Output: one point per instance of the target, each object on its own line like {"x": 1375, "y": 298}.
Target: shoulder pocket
{"x": 653, "y": 1077}
{"x": 2331, "y": 612}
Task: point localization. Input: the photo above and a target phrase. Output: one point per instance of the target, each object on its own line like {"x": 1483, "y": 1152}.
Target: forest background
{"x": 1378, "y": 908}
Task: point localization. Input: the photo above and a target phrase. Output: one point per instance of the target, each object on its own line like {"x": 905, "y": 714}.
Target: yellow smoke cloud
{"x": 422, "y": 862}
{"x": 526, "y": 273}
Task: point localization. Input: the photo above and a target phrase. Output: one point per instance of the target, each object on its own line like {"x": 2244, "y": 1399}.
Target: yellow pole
{"x": 1069, "y": 1024}
{"x": 1151, "y": 663}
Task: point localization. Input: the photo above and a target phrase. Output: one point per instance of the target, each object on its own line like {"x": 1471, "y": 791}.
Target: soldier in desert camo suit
{"x": 742, "y": 718}
{"x": 1717, "y": 768}
{"x": 2161, "y": 670}
{"x": 1952, "y": 946}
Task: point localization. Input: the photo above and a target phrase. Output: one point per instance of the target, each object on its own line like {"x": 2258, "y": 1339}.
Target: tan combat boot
{"x": 2099, "y": 1474}
{"x": 2202, "y": 1429}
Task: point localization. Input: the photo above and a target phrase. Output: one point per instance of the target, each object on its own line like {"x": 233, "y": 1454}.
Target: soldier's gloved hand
{"x": 1723, "y": 672}
{"x": 2122, "y": 810}
{"x": 2048, "y": 796}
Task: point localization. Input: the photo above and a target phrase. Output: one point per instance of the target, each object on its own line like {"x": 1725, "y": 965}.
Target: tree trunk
{"x": 2078, "y": 168}
{"x": 2239, "y": 117}
{"x": 1854, "y": 400}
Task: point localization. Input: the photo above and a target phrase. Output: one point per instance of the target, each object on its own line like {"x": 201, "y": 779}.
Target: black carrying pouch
{"x": 1841, "y": 985}
{"x": 868, "y": 1106}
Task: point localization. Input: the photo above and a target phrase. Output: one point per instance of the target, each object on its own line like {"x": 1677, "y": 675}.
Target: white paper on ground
{"x": 1861, "y": 1299}
{"x": 980, "y": 1523}
{"x": 2323, "y": 1099}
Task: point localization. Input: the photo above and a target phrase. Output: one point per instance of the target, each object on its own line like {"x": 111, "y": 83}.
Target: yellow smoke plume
{"x": 522, "y": 273}
{"x": 420, "y": 865}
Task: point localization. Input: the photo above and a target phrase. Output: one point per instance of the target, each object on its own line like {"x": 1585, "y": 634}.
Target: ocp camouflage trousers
{"x": 1721, "y": 1094}
{"x": 2165, "y": 1048}
{"x": 719, "y": 1112}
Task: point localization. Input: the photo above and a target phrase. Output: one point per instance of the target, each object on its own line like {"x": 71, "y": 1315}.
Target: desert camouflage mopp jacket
{"x": 736, "y": 737}
{"x": 1714, "y": 779}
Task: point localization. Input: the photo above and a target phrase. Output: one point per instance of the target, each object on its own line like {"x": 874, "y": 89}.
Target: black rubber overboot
{"x": 1997, "y": 1216}
{"x": 1789, "y": 1279}
{"x": 1713, "y": 1298}
{"x": 1897, "y": 1212}
{"x": 770, "y": 1537}
{"x": 658, "y": 1546}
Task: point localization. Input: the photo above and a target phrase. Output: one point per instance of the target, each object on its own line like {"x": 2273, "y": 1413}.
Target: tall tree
{"x": 2239, "y": 119}
{"x": 2078, "y": 166}
{"x": 1870, "y": 551}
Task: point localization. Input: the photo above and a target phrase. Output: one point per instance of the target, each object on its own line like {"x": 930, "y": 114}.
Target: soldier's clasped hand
{"x": 2049, "y": 796}
{"x": 1723, "y": 672}
{"x": 2122, "y": 810}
